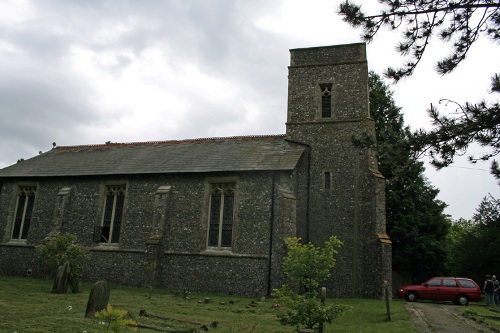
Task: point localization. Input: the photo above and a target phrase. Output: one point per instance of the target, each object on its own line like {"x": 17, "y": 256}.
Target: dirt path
{"x": 441, "y": 318}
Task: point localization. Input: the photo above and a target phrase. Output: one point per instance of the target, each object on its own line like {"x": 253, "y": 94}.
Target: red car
{"x": 458, "y": 290}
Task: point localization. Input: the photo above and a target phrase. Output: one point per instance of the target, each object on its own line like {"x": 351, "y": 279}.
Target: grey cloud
{"x": 42, "y": 101}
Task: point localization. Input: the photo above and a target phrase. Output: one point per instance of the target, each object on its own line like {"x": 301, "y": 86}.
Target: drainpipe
{"x": 271, "y": 239}
{"x": 308, "y": 184}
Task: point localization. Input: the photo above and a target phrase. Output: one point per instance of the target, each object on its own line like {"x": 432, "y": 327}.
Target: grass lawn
{"x": 26, "y": 305}
{"x": 489, "y": 316}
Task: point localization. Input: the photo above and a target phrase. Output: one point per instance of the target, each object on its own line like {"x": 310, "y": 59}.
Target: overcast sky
{"x": 87, "y": 72}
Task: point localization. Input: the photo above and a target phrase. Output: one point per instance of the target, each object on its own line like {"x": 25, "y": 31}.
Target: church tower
{"x": 328, "y": 105}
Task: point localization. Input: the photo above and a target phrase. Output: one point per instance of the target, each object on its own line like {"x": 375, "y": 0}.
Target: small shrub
{"x": 115, "y": 321}
{"x": 307, "y": 266}
{"x": 61, "y": 248}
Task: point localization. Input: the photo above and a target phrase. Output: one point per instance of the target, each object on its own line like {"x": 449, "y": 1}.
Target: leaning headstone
{"x": 98, "y": 298}
{"x": 60, "y": 285}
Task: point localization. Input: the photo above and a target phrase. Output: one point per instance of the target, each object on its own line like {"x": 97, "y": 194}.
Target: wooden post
{"x": 387, "y": 305}
{"x": 322, "y": 328}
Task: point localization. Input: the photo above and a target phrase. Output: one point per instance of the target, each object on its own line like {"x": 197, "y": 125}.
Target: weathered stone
{"x": 60, "y": 285}
{"x": 98, "y": 299}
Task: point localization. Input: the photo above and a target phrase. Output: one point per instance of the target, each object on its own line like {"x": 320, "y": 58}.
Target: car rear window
{"x": 467, "y": 284}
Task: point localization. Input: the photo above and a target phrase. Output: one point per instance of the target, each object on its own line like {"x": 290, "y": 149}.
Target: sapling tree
{"x": 307, "y": 266}
{"x": 61, "y": 248}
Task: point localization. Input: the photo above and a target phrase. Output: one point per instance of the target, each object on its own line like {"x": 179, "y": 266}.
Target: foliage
{"x": 307, "y": 266}
{"x": 415, "y": 218}
{"x": 487, "y": 219}
{"x": 58, "y": 249}
{"x": 306, "y": 309}
{"x": 452, "y": 135}
{"x": 464, "y": 250}
{"x": 115, "y": 321}
{"x": 461, "y": 22}
{"x": 474, "y": 245}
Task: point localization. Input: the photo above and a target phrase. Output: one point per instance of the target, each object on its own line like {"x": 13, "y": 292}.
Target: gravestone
{"x": 98, "y": 298}
{"x": 60, "y": 285}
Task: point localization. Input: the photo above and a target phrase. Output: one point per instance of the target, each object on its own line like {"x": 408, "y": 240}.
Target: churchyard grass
{"x": 489, "y": 316}
{"x": 26, "y": 305}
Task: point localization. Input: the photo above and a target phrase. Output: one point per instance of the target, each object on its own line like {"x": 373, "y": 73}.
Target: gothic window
{"x": 24, "y": 209}
{"x": 113, "y": 211}
{"x": 326, "y": 100}
{"x": 220, "y": 229}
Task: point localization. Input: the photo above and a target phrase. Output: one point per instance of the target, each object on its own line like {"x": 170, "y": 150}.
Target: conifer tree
{"x": 461, "y": 22}
{"x": 475, "y": 244}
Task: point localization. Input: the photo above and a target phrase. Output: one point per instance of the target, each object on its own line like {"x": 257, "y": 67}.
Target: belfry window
{"x": 220, "y": 228}
{"x": 113, "y": 211}
{"x": 326, "y": 100}
{"x": 24, "y": 209}
{"x": 327, "y": 180}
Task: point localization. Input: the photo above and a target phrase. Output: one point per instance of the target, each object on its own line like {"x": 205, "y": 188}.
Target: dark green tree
{"x": 416, "y": 222}
{"x": 475, "y": 245}
{"x": 460, "y": 22}
{"x": 465, "y": 252}
{"x": 487, "y": 218}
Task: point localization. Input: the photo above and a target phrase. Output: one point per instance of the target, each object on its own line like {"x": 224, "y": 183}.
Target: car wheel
{"x": 462, "y": 300}
{"x": 411, "y": 296}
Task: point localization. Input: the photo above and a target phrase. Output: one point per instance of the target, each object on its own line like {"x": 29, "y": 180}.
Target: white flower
{"x": 69, "y": 308}
{"x": 102, "y": 323}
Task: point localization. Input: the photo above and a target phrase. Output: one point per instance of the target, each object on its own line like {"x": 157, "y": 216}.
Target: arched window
{"x": 113, "y": 211}
{"x": 220, "y": 230}
{"x": 24, "y": 209}
{"x": 326, "y": 100}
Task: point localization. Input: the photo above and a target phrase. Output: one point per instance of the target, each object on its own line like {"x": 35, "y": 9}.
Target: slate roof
{"x": 245, "y": 153}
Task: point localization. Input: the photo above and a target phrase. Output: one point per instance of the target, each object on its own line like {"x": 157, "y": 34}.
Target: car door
{"x": 450, "y": 290}
{"x": 431, "y": 289}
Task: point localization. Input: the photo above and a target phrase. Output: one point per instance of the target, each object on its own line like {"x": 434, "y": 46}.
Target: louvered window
{"x": 326, "y": 100}
{"x": 220, "y": 231}
{"x": 328, "y": 180}
{"x": 24, "y": 209}
{"x": 112, "y": 217}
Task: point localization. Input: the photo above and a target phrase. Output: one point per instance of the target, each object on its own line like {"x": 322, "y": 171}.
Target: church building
{"x": 212, "y": 214}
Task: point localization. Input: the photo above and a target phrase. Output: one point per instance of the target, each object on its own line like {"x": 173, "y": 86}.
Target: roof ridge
{"x": 145, "y": 143}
